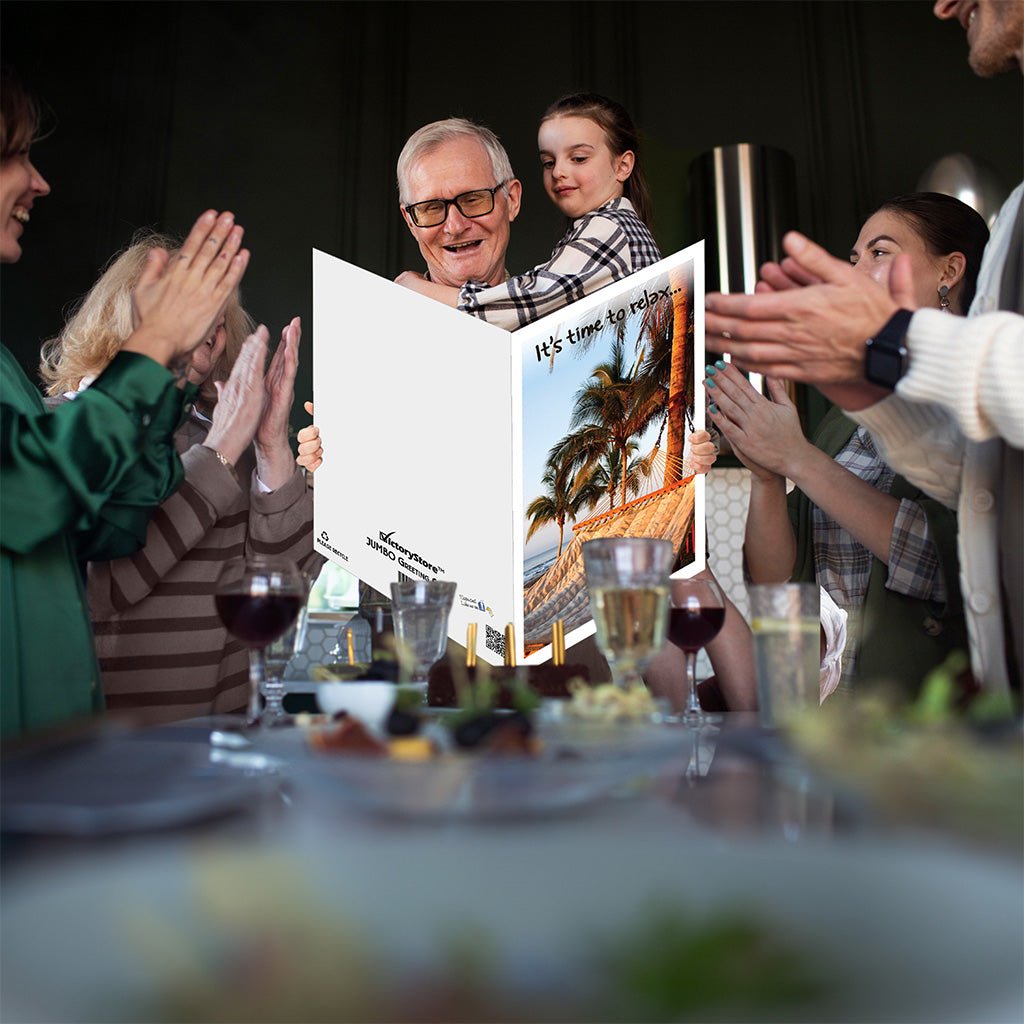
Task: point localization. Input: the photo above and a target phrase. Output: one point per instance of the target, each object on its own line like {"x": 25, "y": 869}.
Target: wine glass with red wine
{"x": 258, "y": 599}
{"x": 696, "y": 615}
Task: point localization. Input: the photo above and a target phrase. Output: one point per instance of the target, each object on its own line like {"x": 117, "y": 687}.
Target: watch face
{"x": 885, "y": 366}
{"x": 885, "y": 357}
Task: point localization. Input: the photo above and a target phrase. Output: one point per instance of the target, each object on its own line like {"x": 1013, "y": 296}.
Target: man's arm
{"x": 972, "y": 369}
{"x": 814, "y": 333}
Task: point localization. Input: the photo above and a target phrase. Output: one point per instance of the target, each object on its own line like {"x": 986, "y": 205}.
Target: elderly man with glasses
{"x": 458, "y": 195}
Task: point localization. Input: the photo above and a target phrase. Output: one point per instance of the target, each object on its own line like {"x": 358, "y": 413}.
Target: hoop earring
{"x": 944, "y": 298}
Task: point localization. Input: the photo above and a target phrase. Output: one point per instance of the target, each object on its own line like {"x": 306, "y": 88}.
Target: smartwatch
{"x": 886, "y": 357}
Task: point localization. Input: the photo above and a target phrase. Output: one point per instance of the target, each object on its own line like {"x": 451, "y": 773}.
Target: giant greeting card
{"x": 456, "y": 450}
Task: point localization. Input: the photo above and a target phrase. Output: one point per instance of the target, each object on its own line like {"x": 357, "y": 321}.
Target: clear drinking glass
{"x": 258, "y": 599}
{"x": 627, "y": 579}
{"x": 785, "y": 619}
{"x": 277, "y": 656}
{"x": 420, "y": 609}
{"x": 697, "y": 615}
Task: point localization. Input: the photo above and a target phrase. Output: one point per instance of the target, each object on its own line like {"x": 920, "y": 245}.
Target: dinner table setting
{"x": 570, "y": 850}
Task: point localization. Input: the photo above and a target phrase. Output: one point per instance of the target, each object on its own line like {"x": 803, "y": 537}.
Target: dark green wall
{"x": 292, "y": 115}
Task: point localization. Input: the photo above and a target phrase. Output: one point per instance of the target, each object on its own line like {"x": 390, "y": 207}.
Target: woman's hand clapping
{"x": 240, "y": 400}
{"x": 765, "y": 435}
{"x": 177, "y": 301}
{"x": 273, "y": 450}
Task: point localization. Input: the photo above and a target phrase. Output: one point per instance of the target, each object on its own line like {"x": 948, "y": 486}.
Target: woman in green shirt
{"x": 81, "y": 482}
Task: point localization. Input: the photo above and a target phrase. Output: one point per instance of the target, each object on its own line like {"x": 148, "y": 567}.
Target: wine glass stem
{"x": 692, "y": 701}
{"x": 273, "y": 690}
{"x": 257, "y": 674}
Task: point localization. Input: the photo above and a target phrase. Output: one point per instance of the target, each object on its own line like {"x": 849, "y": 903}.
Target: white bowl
{"x": 368, "y": 701}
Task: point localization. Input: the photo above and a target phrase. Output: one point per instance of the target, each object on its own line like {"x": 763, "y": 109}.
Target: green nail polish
{"x": 720, "y": 363}
{"x": 710, "y": 370}
{"x": 709, "y": 383}
{"x": 713, "y": 408}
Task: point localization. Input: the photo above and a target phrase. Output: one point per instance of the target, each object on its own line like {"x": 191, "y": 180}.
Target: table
{"x": 295, "y": 906}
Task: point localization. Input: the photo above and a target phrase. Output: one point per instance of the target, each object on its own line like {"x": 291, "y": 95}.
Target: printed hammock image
{"x": 623, "y": 405}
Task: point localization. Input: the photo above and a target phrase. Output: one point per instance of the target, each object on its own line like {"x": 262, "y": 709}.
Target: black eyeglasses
{"x": 432, "y": 212}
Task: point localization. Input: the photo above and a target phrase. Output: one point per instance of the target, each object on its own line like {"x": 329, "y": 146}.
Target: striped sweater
{"x": 162, "y": 649}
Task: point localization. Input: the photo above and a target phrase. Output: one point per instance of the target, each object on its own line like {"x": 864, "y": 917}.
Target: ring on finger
{"x": 727, "y": 335}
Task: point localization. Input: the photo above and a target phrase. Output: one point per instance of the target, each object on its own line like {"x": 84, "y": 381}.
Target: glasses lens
{"x": 426, "y": 215}
{"x": 475, "y": 204}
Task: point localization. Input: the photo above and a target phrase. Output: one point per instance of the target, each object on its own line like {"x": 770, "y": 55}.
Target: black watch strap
{"x": 885, "y": 359}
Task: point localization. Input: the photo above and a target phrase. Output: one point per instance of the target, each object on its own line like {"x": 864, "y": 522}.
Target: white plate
{"x": 361, "y": 922}
{"x": 578, "y": 764}
{"x": 116, "y": 784}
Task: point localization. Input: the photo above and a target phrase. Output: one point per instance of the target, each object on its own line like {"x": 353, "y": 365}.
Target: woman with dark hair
{"x": 81, "y": 481}
{"x": 883, "y": 550}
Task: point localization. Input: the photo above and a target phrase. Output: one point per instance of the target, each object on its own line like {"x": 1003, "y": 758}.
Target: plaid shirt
{"x": 601, "y": 247}
{"x": 843, "y": 566}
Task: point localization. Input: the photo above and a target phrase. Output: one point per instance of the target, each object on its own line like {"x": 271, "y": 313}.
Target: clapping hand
{"x": 273, "y": 450}
{"x": 811, "y": 320}
{"x": 178, "y": 300}
{"x": 240, "y": 400}
{"x": 765, "y": 435}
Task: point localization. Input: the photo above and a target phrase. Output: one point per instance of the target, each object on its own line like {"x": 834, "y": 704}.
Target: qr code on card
{"x": 494, "y": 640}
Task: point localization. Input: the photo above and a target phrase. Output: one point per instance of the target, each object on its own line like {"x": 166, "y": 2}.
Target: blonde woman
{"x": 163, "y": 652}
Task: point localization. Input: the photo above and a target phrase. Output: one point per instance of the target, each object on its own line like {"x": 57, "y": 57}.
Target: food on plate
{"x": 412, "y": 748}
{"x": 239, "y": 949}
{"x": 931, "y": 763}
{"x": 447, "y": 678}
{"x": 610, "y": 703}
{"x": 497, "y": 732}
{"x": 349, "y": 736}
{"x": 406, "y": 716}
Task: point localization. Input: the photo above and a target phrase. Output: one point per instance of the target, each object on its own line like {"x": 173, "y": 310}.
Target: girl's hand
{"x": 702, "y": 451}
{"x": 311, "y": 454}
{"x": 765, "y": 435}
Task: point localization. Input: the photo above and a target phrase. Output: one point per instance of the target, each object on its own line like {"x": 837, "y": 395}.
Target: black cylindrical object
{"x": 742, "y": 201}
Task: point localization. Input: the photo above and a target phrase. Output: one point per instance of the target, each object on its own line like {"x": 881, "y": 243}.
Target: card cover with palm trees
{"x": 457, "y": 450}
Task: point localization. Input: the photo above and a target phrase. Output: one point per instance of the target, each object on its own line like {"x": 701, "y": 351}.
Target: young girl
{"x": 590, "y": 157}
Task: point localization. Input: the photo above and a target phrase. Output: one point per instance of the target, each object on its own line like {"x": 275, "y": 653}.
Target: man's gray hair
{"x": 432, "y": 135}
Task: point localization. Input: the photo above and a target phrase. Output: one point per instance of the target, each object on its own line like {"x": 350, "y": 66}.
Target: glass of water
{"x": 278, "y": 655}
{"x": 627, "y": 579}
{"x": 420, "y": 610}
{"x": 785, "y": 619}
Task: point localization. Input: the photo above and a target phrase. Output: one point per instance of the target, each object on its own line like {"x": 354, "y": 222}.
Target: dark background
{"x": 292, "y": 115}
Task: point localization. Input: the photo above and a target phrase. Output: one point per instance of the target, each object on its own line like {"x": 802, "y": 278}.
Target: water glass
{"x": 785, "y": 619}
{"x": 420, "y": 609}
{"x": 627, "y": 580}
{"x": 277, "y": 656}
